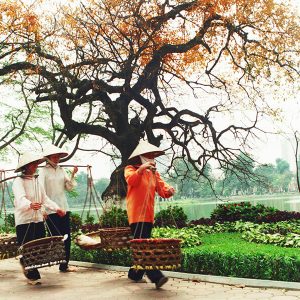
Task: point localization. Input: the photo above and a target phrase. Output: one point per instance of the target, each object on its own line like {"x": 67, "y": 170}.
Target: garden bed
{"x": 239, "y": 240}
{"x": 224, "y": 254}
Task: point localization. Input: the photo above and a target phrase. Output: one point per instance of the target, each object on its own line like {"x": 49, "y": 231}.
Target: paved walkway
{"x": 89, "y": 284}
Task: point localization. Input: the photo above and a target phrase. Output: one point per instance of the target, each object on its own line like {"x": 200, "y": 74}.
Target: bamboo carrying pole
{"x": 65, "y": 166}
{"x": 8, "y": 178}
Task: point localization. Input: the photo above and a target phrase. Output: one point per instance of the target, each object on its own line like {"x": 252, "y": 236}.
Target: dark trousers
{"x": 61, "y": 226}
{"x": 142, "y": 230}
{"x": 26, "y": 233}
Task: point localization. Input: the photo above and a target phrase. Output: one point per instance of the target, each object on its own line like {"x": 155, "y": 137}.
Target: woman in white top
{"x": 56, "y": 182}
{"x": 30, "y": 201}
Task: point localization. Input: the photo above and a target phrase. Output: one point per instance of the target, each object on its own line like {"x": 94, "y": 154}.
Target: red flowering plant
{"x": 245, "y": 211}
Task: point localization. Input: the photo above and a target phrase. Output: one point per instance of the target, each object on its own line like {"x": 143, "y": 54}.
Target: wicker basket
{"x": 115, "y": 238}
{"x": 154, "y": 254}
{"x": 8, "y": 246}
{"x": 43, "y": 252}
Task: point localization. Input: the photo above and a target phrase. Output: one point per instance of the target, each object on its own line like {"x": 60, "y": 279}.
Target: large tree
{"x": 122, "y": 70}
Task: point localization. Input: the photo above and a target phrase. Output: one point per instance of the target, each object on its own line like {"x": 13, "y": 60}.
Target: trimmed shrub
{"x": 202, "y": 221}
{"x": 115, "y": 217}
{"x": 261, "y": 266}
{"x": 171, "y": 216}
{"x": 245, "y": 211}
{"x": 120, "y": 257}
{"x": 75, "y": 222}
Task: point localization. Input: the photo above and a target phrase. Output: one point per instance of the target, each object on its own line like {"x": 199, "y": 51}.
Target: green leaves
{"x": 284, "y": 234}
{"x": 171, "y": 216}
{"x": 115, "y": 217}
{"x": 190, "y": 236}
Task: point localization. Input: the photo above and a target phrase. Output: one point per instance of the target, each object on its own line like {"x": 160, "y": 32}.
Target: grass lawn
{"x": 233, "y": 243}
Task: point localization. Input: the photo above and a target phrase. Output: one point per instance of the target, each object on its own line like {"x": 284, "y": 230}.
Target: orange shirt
{"x": 141, "y": 193}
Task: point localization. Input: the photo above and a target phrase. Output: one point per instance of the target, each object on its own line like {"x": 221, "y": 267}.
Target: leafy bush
{"x": 202, "y": 221}
{"x": 89, "y": 219}
{"x": 254, "y": 213}
{"x": 120, "y": 257}
{"x": 115, "y": 217}
{"x": 279, "y": 215}
{"x": 86, "y": 228}
{"x": 75, "y": 222}
{"x": 171, "y": 216}
{"x": 8, "y": 222}
{"x": 8, "y": 225}
{"x": 261, "y": 266}
{"x": 190, "y": 236}
{"x": 284, "y": 234}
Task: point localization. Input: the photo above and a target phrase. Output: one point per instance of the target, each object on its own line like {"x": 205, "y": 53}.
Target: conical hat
{"x": 145, "y": 147}
{"x": 27, "y": 158}
{"x": 51, "y": 149}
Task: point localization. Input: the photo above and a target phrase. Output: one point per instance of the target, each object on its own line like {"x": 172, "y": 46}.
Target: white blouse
{"x": 55, "y": 181}
{"x": 26, "y": 191}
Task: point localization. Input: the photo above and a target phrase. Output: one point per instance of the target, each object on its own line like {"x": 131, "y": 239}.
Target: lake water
{"x": 202, "y": 208}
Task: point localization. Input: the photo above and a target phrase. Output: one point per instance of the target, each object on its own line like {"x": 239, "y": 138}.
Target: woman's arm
{"x": 132, "y": 176}
{"x": 70, "y": 182}
{"x": 20, "y": 200}
{"x": 162, "y": 188}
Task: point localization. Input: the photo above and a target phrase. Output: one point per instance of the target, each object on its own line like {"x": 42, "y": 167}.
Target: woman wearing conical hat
{"x": 56, "y": 181}
{"x": 143, "y": 182}
{"x": 30, "y": 200}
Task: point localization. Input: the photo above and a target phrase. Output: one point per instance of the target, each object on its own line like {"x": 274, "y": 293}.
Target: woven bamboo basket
{"x": 43, "y": 252}
{"x": 156, "y": 254}
{"x": 8, "y": 246}
{"x": 115, "y": 238}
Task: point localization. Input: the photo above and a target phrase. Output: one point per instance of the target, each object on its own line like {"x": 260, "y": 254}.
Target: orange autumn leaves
{"x": 119, "y": 29}
{"x": 17, "y": 19}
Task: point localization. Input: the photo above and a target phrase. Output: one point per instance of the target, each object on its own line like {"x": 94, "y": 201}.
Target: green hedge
{"x": 261, "y": 266}
{"x": 120, "y": 258}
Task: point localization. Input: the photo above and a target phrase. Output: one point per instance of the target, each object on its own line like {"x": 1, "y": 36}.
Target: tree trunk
{"x": 296, "y": 159}
{"x": 117, "y": 188}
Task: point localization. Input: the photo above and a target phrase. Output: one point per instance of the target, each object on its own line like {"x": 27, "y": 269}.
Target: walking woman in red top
{"x": 143, "y": 182}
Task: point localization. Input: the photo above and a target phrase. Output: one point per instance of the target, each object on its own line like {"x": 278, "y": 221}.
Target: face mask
{"x": 145, "y": 159}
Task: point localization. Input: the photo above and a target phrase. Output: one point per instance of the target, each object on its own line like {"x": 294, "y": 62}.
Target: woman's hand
{"x": 35, "y": 205}
{"x": 148, "y": 165}
{"x": 45, "y": 216}
{"x": 60, "y": 212}
{"x": 171, "y": 191}
{"x": 75, "y": 170}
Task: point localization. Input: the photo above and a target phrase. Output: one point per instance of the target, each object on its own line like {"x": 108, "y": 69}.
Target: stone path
{"x": 90, "y": 283}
